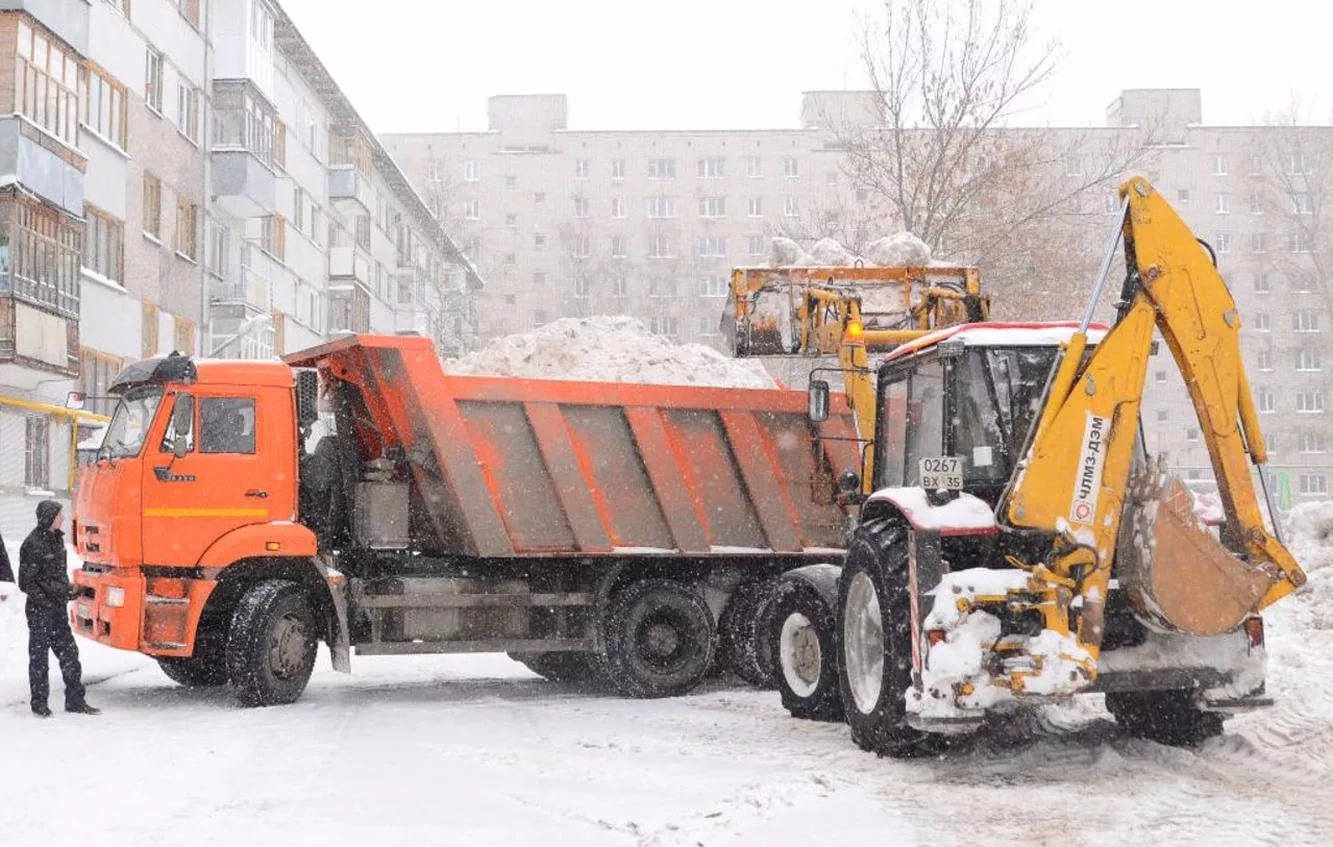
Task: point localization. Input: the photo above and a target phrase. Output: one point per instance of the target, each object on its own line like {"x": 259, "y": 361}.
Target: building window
{"x": 471, "y": 171}
{"x": 712, "y": 246}
{"x": 1256, "y": 203}
{"x": 756, "y": 207}
{"x": 580, "y": 207}
{"x": 96, "y": 370}
{"x": 472, "y": 210}
{"x": 754, "y": 167}
{"x": 1312, "y": 442}
{"x": 712, "y": 168}
{"x": 1191, "y": 435}
{"x": 1224, "y": 242}
{"x": 148, "y": 336}
{"x": 663, "y": 325}
{"x": 755, "y": 246}
{"x": 1297, "y": 164}
{"x": 1262, "y": 322}
{"x": 1270, "y": 444}
{"x": 619, "y": 287}
{"x": 184, "y": 335}
{"x": 582, "y": 168}
{"x": 273, "y": 236}
{"x": 709, "y": 327}
{"x": 104, "y": 104}
{"x": 219, "y": 249}
{"x": 661, "y": 207}
{"x": 790, "y": 207}
{"x": 511, "y": 220}
{"x": 539, "y": 278}
{"x": 581, "y": 288}
{"x": 617, "y": 207}
{"x": 1262, "y": 285}
{"x": 1305, "y": 320}
{"x": 713, "y": 286}
{"x": 1301, "y": 205}
{"x": 617, "y": 168}
{"x": 831, "y": 179}
{"x": 1224, "y": 204}
{"x": 1310, "y": 402}
{"x": 791, "y": 167}
{"x": 48, "y": 83}
{"x": 661, "y": 168}
{"x": 1220, "y": 164}
{"x": 152, "y": 206}
{"x": 1182, "y": 197}
{"x": 1300, "y": 241}
{"x": 1259, "y": 242}
{"x": 539, "y": 197}
{"x": 1307, "y": 360}
{"x": 1159, "y": 377}
{"x": 539, "y": 240}
{"x": 1162, "y": 415}
{"x": 152, "y": 94}
{"x": 1256, "y": 164}
{"x": 362, "y": 234}
{"x": 1073, "y": 166}
{"x": 103, "y": 244}
{"x": 187, "y": 229}
{"x": 712, "y": 207}
{"x": 582, "y": 246}
{"x": 661, "y": 247}
{"x": 37, "y": 452}
{"x": 1263, "y": 359}
{"x": 662, "y": 288}
{"x": 618, "y": 247}
{"x": 242, "y": 119}
{"x": 511, "y": 182}
{"x": 187, "y": 114}
{"x": 1303, "y": 283}
{"x": 1313, "y": 483}
{"x": 1267, "y": 400}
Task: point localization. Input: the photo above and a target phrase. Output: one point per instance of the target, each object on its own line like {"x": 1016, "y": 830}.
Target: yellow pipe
{"x": 48, "y": 409}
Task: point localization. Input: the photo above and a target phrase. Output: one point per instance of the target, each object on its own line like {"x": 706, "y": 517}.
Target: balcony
{"x": 42, "y": 164}
{"x": 348, "y": 264}
{"x": 349, "y": 191}
{"x": 244, "y": 186}
{"x": 67, "y": 19}
{"x": 252, "y": 290}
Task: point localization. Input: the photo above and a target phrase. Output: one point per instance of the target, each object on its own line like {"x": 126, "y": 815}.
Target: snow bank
{"x": 901, "y": 248}
{"x": 609, "y": 349}
{"x": 1310, "y": 539}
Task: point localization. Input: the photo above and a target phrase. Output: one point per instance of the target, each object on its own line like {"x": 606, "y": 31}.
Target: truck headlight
{"x": 115, "y": 597}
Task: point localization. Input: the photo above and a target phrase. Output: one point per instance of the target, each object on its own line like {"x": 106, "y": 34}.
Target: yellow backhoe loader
{"x": 1018, "y": 545}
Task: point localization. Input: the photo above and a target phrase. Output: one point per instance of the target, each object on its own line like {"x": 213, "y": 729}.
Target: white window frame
{"x": 791, "y": 167}
{"x": 472, "y": 171}
{"x": 1223, "y": 204}
{"x": 754, "y": 167}
{"x": 1220, "y": 163}
{"x": 756, "y": 207}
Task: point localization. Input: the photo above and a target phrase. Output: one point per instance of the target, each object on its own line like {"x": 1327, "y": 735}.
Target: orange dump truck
{"x": 598, "y": 532}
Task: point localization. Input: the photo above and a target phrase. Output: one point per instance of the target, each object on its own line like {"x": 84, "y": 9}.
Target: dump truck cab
{"x": 196, "y": 473}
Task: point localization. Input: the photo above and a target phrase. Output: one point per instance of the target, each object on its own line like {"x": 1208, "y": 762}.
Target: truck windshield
{"x": 129, "y": 425}
{"x": 997, "y": 405}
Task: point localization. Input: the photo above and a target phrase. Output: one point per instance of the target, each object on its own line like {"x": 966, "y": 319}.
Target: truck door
{"x": 214, "y": 467}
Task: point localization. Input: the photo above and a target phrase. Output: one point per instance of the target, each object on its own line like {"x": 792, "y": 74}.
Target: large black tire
{"x": 1167, "y": 717}
{"x": 272, "y": 643}
{"x": 198, "y": 671}
{"x": 659, "y": 639}
{"x": 576, "y": 669}
{"x": 745, "y": 649}
{"x": 803, "y": 637}
{"x": 874, "y": 631}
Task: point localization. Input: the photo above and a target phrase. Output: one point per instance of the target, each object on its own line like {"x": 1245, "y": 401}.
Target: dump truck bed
{"x": 508, "y": 467}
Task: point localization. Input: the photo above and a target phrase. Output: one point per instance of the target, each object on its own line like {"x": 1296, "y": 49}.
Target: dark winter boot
{"x": 41, "y": 710}
{"x": 82, "y": 709}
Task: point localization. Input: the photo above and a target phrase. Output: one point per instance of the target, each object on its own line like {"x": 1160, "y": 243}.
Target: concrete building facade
{"x": 186, "y": 175}
{"x": 566, "y": 222}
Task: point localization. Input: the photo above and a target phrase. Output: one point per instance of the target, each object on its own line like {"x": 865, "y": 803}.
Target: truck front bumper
{"x": 122, "y": 608}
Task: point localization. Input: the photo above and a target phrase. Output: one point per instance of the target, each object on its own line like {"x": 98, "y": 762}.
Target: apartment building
{"x": 186, "y": 175}
{"x": 567, "y": 222}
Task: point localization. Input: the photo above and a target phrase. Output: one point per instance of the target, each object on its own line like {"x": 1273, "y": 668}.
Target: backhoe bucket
{"x": 1176, "y": 573}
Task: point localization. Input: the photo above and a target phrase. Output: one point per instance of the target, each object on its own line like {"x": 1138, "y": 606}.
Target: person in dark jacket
{"x": 43, "y": 576}
{"x": 6, "y": 572}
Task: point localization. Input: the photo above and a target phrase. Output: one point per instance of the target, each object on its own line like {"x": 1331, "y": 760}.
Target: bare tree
{"x": 946, "y": 164}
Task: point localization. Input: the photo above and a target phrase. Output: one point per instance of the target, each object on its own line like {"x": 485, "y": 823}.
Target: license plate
{"x": 84, "y": 611}
{"x": 941, "y": 472}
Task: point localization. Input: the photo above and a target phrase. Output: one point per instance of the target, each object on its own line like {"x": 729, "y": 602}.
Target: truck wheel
{"x": 200, "y": 671}
{"x": 659, "y": 639}
{"x": 875, "y": 632}
{"x": 271, "y": 645}
{"x": 1167, "y": 717}
{"x": 803, "y": 635}
{"x": 577, "y": 669}
{"x": 745, "y": 650}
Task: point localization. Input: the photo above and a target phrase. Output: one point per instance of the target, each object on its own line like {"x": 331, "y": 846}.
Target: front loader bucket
{"x": 766, "y": 329}
{"x": 1174, "y": 570}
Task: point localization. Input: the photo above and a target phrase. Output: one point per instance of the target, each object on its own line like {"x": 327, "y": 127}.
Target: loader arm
{"x": 1073, "y": 481}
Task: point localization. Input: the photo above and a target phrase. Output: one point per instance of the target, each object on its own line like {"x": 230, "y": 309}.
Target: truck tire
{"x": 874, "y": 630}
{"x": 745, "y": 650}
{"x": 1167, "y": 717}
{"x": 575, "y": 669}
{"x": 271, "y": 645}
{"x": 199, "y": 671}
{"x": 803, "y": 635}
{"x": 659, "y": 639}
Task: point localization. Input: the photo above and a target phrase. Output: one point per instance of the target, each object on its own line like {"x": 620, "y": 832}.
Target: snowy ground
{"x": 475, "y": 750}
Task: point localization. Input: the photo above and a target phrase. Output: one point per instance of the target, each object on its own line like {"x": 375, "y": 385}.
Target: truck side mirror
{"x": 180, "y": 446}
{"x": 818, "y": 400}
{"x": 74, "y": 401}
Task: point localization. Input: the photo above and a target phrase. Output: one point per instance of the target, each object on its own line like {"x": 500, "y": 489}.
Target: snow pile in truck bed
{"x": 606, "y": 348}
{"x": 902, "y": 249}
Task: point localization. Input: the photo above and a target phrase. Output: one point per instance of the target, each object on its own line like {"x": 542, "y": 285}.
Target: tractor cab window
{"x": 892, "y": 443}
{"x": 227, "y": 425}
{"x": 999, "y": 395}
{"x": 925, "y": 417}
{"x": 129, "y": 425}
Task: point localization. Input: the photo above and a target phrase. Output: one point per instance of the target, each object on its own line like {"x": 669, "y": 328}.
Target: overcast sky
{"x": 422, "y": 65}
